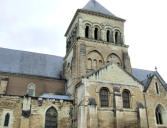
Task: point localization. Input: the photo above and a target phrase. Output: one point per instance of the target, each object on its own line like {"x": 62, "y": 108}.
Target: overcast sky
{"x": 40, "y": 25}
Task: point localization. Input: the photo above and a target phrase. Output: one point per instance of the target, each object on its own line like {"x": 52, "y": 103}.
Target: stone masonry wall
{"x": 13, "y": 106}
{"x": 153, "y": 100}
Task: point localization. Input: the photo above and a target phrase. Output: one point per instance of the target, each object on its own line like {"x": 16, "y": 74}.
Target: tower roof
{"x": 94, "y": 6}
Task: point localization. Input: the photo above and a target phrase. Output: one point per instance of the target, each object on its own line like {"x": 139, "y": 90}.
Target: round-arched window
{"x": 126, "y": 99}
{"x": 104, "y": 93}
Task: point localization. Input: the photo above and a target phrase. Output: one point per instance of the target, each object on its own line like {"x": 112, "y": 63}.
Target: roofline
{"x": 159, "y": 77}
{"x": 92, "y": 13}
{"x": 34, "y": 97}
{"x": 28, "y": 75}
{"x": 104, "y": 66}
{"x": 31, "y": 52}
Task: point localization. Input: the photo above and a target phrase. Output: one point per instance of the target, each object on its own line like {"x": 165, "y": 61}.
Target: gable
{"x": 152, "y": 87}
{"x": 114, "y": 74}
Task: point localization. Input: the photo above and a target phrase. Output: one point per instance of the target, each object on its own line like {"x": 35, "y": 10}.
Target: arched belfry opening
{"x": 87, "y": 32}
{"x": 96, "y": 34}
{"x": 116, "y": 37}
{"x": 51, "y": 118}
{"x": 108, "y": 36}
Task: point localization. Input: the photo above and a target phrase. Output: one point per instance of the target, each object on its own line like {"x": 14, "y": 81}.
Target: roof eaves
{"x": 31, "y": 75}
{"x": 161, "y": 79}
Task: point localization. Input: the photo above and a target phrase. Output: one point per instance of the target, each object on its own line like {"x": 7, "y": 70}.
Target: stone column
{"x": 82, "y": 117}
{"x": 103, "y": 35}
{"x": 143, "y": 118}
{"x": 24, "y": 122}
{"x": 26, "y": 112}
{"x": 118, "y": 113}
{"x": 92, "y": 116}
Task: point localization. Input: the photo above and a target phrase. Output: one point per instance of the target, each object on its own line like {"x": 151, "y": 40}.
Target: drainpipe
{"x": 146, "y": 109}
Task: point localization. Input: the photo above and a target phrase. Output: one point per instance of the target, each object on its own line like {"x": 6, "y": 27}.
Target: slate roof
{"x": 141, "y": 74}
{"x": 145, "y": 77}
{"x": 52, "y": 96}
{"x": 94, "y": 6}
{"x": 29, "y": 63}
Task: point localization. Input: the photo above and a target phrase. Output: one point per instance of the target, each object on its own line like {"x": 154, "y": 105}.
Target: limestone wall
{"x": 153, "y": 100}
{"x": 13, "y": 106}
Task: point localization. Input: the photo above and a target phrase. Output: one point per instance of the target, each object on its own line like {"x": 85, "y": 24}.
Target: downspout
{"x": 146, "y": 109}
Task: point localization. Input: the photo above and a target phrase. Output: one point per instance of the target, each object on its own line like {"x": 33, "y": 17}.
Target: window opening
{"x": 7, "y": 117}
{"x": 108, "y": 35}
{"x": 104, "y": 97}
{"x": 116, "y": 37}
{"x": 157, "y": 89}
{"x": 96, "y": 33}
{"x": 126, "y": 99}
{"x": 51, "y": 118}
{"x": 87, "y": 32}
{"x": 158, "y": 115}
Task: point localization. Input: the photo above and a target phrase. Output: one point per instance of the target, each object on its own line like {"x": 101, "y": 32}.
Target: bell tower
{"x": 94, "y": 37}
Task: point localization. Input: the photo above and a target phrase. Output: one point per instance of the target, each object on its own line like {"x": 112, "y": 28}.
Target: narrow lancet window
{"x": 157, "y": 89}
{"x": 6, "y": 122}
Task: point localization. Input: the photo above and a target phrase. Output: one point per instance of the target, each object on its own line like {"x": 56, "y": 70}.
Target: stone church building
{"x": 93, "y": 86}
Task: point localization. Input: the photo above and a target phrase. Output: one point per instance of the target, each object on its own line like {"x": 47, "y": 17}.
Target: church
{"x": 93, "y": 86}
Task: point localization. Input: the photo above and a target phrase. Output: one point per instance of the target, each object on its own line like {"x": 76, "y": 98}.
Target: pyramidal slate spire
{"x": 94, "y": 6}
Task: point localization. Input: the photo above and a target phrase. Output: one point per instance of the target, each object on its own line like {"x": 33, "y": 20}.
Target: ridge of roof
{"x": 30, "y": 52}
